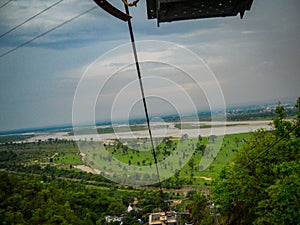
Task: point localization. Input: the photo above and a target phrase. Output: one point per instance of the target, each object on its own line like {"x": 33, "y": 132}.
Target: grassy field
{"x": 132, "y": 157}
{"x": 171, "y": 154}
{"x": 231, "y": 144}
{"x": 51, "y": 151}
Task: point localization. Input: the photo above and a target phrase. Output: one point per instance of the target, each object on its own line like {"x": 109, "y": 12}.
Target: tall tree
{"x": 262, "y": 184}
{"x": 198, "y": 206}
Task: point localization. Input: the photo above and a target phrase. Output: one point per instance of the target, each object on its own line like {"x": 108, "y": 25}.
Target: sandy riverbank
{"x": 217, "y": 128}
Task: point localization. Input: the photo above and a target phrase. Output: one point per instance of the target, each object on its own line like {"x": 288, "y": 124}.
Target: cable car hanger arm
{"x": 104, "y": 4}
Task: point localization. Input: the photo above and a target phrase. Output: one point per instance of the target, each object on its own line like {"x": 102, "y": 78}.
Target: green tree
{"x": 191, "y": 164}
{"x": 116, "y": 208}
{"x": 262, "y": 185}
{"x": 297, "y": 120}
{"x": 281, "y": 125}
{"x": 198, "y": 206}
{"x": 129, "y": 220}
{"x": 280, "y": 111}
{"x": 281, "y": 206}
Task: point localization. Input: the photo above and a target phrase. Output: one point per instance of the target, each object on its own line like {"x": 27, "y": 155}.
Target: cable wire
{"x": 26, "y": 21}
{"x": 234, "y": 179}
{"x": 48, "y": 31}
{"x": 143, "y": 95}
{"x": 266, "y": 150}
{"x": 272, "y": 145}
{"x": 5, "y": 4}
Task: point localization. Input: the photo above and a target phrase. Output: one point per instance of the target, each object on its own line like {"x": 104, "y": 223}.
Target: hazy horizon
{"x": 105, "y": 122}
{"x": 255, "y": 59}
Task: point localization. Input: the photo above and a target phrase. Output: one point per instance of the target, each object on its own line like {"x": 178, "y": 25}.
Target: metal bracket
{"x": 113, "y": 10}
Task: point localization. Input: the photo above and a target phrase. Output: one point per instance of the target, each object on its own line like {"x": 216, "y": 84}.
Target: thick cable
{"x": 266, "y": 150}
{"x": 32, "y": 17}
{"x": 5, "y": 4}
{"x": 48, "y": 31}
{"x": 272, "y": 145}
{"x": 143, "y": 95}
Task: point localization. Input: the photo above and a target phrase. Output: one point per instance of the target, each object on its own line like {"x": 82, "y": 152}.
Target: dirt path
{"x": 205, "y": 178}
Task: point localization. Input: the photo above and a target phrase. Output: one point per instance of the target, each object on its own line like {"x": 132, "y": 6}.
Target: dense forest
{"x": 27, "y": 199}
{"x": 260, "y": 186}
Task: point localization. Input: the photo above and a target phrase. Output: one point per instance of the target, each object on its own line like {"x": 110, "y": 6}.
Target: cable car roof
{"x": 172, "y": 10}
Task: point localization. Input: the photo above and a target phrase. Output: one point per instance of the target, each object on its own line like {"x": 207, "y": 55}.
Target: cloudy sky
{"x": 249, "y": 60}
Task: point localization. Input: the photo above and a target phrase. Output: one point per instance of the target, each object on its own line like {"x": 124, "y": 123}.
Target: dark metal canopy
{"x": 172, "y": 10}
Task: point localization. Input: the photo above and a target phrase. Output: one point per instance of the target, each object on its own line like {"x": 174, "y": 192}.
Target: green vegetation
{"x": 262, "y": 186}
{"x": 230, "y": 145}
{"x": 62, "y": 155}
{"x": 41, "y": 200}
{"x": 258, "y": 113}
{"x": 254, "y": 178}
{"x": 14, "y": 138}
{"x": 139, "y": 154}
{"x": 50, "y": 151}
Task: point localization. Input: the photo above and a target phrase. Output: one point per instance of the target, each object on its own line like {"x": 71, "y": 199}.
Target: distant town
{"x": 262, "y": 111}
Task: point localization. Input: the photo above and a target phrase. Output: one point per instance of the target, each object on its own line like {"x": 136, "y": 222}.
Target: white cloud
{"x": 255, "y": 58}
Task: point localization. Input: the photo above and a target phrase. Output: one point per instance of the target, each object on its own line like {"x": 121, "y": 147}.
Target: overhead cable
{"x": 32, "y": 17}
{"x": 48, "y": 31}
{"x": 275, "y": 142}
{"x": 143, "y": 95}
{"x": 5, "y": 4}
{"x": 272, "y": 145}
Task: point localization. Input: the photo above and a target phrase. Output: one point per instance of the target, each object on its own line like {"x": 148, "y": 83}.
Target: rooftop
{"x": 163, "y": 218}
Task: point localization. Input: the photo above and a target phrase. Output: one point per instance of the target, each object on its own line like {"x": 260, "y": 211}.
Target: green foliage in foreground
{"x": 31, "y": 201}
{"x": 262, "y": 186}
{"x": 35, "y": 200}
